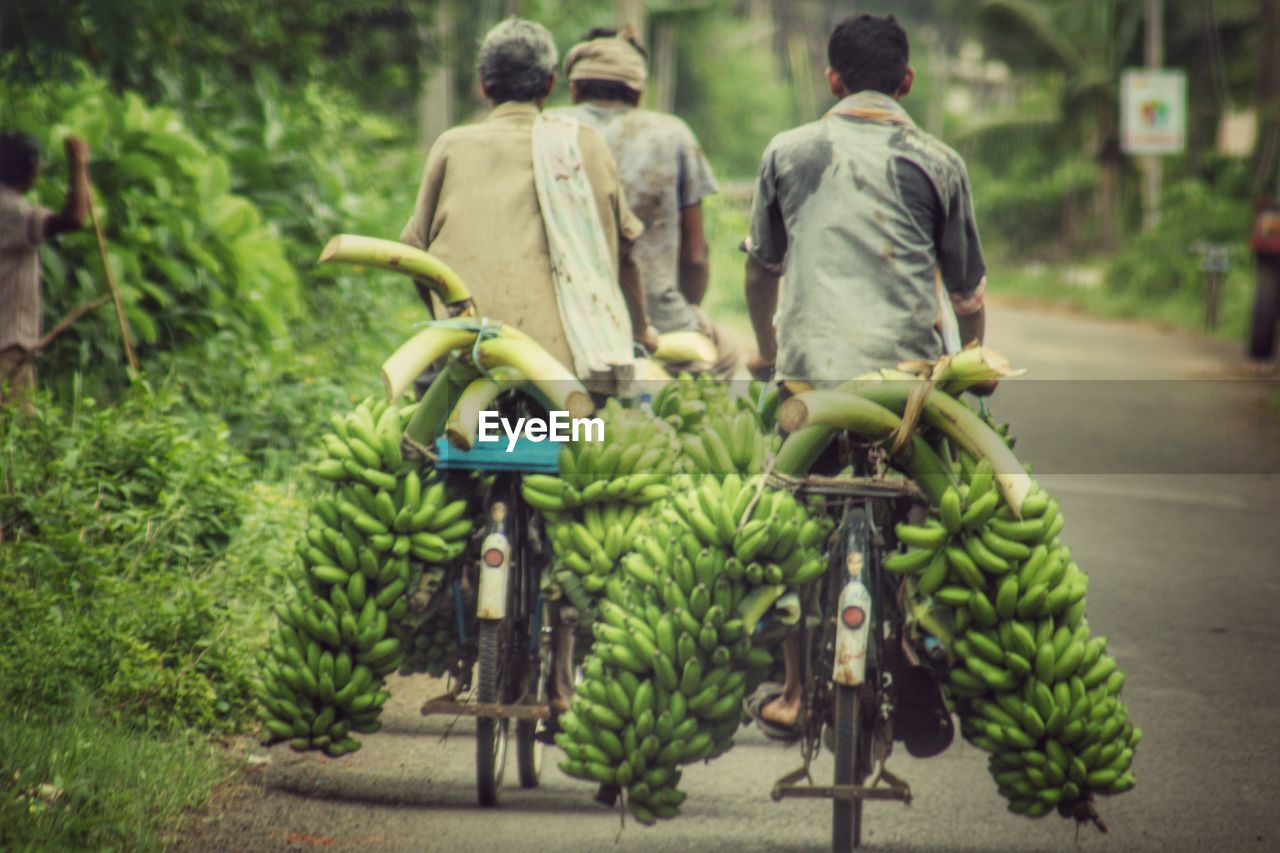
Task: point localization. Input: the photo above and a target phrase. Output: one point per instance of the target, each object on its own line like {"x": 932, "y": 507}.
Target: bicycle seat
{"x": 530, "y": 457}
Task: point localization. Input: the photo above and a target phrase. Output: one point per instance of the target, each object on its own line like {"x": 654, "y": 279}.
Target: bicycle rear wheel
{"x": 491, "y": 732}
{"x": 853, "y": 764}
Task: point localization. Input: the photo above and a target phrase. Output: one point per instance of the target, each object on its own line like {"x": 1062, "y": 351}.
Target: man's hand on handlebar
{"x": 984, "y": 389}
{"x": 648, "y": 339}
{"x": 760, "y": 368}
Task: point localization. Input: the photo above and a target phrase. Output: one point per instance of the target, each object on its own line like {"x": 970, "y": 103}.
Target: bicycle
{"x": 861, "y": 673}
{"x": 514, "y": 652}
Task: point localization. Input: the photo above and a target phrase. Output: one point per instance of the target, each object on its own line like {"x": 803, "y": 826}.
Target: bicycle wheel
{"x": 528, "y": 747}
{"x": 853, "y": 764}
{"x": 491, "y": 732}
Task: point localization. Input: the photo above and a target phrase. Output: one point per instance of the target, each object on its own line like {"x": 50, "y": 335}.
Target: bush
{"x": 121, "y": 576}
{"x": 1030, "y": 209}
{"x": 191, "y": 257}
{"x": 1163, "y": 262}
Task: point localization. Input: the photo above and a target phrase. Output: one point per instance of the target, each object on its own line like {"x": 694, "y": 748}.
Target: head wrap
{"x": 612, "y": 58}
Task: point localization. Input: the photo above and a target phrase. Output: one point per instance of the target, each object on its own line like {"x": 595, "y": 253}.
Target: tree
{"x": 1079, "y": 48}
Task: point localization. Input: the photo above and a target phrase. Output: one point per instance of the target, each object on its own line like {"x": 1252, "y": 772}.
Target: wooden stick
{"x": 65, "y": 323}
{"x": 111, "y": 283}
{"x": 62, "y": 325}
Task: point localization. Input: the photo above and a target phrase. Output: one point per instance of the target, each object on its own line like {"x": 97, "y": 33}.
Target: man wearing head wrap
{"x": 479, "y": 209}
{"x": 664, "y": 172}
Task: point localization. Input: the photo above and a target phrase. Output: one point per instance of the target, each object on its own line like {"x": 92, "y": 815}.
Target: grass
{"x": 82, "y": 782}
{"x": 1080, "y": 288}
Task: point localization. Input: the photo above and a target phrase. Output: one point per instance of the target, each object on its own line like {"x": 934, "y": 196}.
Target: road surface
{"x": 1168, "y": 470}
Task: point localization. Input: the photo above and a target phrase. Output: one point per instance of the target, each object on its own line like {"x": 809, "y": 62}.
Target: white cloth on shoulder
{"x": 592, "y": 308}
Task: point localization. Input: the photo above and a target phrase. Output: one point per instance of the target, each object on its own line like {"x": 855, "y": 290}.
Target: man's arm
{"x": 694, "y": 268}
{"x": 762, "y": 303}
{"x": 973, "y": 327}
{"x": 76, "y": 208}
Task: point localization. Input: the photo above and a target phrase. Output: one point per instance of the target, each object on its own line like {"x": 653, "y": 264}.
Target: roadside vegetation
{"x": 144, "y": 518}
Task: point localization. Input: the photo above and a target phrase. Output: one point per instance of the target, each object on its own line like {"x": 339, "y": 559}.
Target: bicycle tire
{"x": 528, "y": 748}
{"x": 491, "y": 732}
{"x": 852, "y": 756}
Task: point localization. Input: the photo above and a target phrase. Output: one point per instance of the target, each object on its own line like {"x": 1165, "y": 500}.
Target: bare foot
{"x": 781, "y": 710}
{"x": 560, "y": 704}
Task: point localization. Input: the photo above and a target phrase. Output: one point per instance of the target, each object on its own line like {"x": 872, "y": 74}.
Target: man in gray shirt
{"x": 664, "y": 174}
{"x": 859, "y": 209}
{"x": 863, "y": 211}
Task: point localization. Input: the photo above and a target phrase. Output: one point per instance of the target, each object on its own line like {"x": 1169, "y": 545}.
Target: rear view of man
{"x": 23, "y": 227}
{"x": 862, "y": 210}
{"x": 480, "y": 209}
{"x": 663, "y": 171}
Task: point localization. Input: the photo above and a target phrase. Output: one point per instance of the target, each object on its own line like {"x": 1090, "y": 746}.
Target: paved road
{"x": 1181, "y": 537}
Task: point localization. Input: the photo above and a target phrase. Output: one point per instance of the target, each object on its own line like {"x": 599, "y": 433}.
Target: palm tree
{"x": 1079, "y": 47}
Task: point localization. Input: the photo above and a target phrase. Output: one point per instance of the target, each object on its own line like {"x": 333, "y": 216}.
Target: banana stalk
{"x": 959, "y": 423}
{"x": 815, "y": 416}
{"x": 464, "y": 421}
{"x": 556, "y": 382}
{"x": 397, "y": 257}
{"x": 438, "y": 402}
{"x": 415, "y": 354}
{"x": 960, "y": 372}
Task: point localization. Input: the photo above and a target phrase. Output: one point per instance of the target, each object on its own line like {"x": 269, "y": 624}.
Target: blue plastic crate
{"x": 532, "y": 457}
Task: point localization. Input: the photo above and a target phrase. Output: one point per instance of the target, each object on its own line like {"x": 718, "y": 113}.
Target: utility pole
{"x": 435, "y": 105}
{"x": 631, "y": 12}
{"x": 1155, "y": 61}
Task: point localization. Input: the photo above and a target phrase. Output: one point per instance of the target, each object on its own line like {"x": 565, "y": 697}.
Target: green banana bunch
{"x": 363, "y": 556}
{"x": 430, "y": 632}
{"x": 727, "y": 444}
{"x": 600, "y": 501}
{"x": 1032, "y": 686}
{"x": 673, "y": 656}
{"x": 762, "y": 400}
{"x": 687, "y": 399}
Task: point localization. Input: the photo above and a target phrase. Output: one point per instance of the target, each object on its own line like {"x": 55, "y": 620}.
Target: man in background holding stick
{"x": 23, "y": 227}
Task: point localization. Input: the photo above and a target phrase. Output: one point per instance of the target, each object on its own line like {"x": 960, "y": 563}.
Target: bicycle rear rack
{"x": 490, "y": 709}
{"x": 856, "y": 487}
{"x": 893, "y": 788}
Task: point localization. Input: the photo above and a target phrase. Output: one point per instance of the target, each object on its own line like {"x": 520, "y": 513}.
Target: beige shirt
{"x": 21, "y": 233}
{"x": 477, "y": 211}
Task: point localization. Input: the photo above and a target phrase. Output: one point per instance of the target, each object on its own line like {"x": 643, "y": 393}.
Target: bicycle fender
{"x": 853, "y": 626}
{"x": 495, "y": 563}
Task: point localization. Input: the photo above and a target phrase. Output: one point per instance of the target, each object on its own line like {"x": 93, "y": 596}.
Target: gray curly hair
{"x": 517, "y": 61}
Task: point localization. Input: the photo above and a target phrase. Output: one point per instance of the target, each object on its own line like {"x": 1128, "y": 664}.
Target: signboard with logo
{"x": 1153, "y": 111}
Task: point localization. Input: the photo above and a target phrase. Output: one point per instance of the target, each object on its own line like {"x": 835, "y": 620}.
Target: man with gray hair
{"x": 531, "y": 215}
{"x": 482, "y": 209}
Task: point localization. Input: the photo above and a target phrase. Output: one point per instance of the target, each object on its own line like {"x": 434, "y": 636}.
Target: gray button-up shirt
{"x": 835, "y": 209}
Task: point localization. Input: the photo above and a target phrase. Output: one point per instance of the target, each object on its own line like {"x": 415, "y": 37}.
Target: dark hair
{"x": 19, "y": 159}
{"x": 606, "y": 33}
{"x": 869, "y": 52}
{"x": 606, "y": 90}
